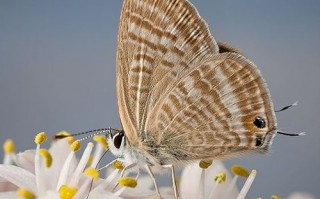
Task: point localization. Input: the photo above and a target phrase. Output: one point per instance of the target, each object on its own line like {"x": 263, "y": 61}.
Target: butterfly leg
{"x": 154, "y": 180}
{"x": 170, "y": 166}
{"x": 130, "y": 166}
{"x": 106, "y": 166}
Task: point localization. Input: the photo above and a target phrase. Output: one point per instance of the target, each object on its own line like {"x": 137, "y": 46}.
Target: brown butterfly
{"x": 182, "y": 96}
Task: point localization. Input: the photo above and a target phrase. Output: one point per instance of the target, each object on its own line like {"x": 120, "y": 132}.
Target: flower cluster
{"x": 58, "y": 173}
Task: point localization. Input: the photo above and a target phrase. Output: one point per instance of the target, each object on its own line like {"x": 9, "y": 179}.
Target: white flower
{"x": 213, "y": 182}
{"x": 57, "y": 173}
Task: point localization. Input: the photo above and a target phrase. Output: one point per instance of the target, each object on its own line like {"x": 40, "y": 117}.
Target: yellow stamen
{"x": 67, "y": 192}
{"x": 220, "y": 177}
{"x": 47, "y": 157}
{"x": 118, "y": 165}
{"x": 102, "y": 140}
{"x": 204, "y": 164}
{"x": 69, "y": 138}
{"x": 259, "y": 198}
{"x": 40, "y": 138}
{"x": 8, "y": 146}
{"x": 26, "y": 194}
{"x": 240, "y": 171}
{"x": 128, "y": 182}
{"x": 75, "y": 146}
{"x": 93, "y": 173}
{"x": 275, "y": 197}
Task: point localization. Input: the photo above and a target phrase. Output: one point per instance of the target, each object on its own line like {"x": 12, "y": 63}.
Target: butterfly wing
{"x": 158, "y": 41}
{"x": 182, "y": 96}
{"x": 220, "y": 108}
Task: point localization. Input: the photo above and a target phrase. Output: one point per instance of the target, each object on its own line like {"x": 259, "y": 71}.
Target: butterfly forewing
{"x": 177, "y": 93}
{"x": 157, "y": 42}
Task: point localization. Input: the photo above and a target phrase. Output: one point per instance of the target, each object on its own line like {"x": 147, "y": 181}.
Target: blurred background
{"x": 57, "y": 72}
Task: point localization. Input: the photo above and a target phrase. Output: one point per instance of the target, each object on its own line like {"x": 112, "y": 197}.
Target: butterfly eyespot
{"x": 259, "y": 122}
{"x": 117, "y": 140}
{"x": 258, "y": 141}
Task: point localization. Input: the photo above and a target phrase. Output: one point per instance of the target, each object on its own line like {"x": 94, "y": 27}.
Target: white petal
{"x": 190, "y": 181}
{"x": 26, "y": 160}
{"x": 142, "y": 190}
{"x": 18, "y": 176}
{"x": 223, "y": 188}
{"x": 10, "y": 194}
{"x": 98, "y": 152}
{"x": 166, "y": 192}
{"x": 65, "y": 172}
{"x": 81, "y": 165}
{"x": 59, "y": 152}
{"x": 50, "y": 195}
{"x": 301, "y": 195}
{"x": 110, "y": 181}
{"x": 101, "y": 194}
{"x": 247, "y": 185}
{"x": 84, "y": 186}
{"x": 39, "y": 172}
{"x": 6, "y": 186}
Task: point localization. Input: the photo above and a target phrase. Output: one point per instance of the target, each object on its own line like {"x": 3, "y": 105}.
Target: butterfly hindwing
{"x": 212, "y": 111}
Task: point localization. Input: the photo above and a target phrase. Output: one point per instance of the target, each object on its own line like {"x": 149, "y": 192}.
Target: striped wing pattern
{"x": 211, "y": 111}
{"x": 174, "y": 85}
{"x": 157, "y": 42}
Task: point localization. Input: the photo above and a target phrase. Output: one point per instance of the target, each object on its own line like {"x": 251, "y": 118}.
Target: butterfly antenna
{"x": 91, "y": 132}
{"x": 291, "y": 134}
{"x": 286, "y": 133}
{"x": 286, "y": 107}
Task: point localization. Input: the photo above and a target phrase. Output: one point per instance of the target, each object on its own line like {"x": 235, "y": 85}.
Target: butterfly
{"x": 183, "y": 96}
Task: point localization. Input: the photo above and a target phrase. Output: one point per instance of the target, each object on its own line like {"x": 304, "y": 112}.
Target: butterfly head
{"x": 116, "y": 141}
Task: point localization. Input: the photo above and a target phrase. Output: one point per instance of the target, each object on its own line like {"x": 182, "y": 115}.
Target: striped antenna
{"x": 91, "y": 133}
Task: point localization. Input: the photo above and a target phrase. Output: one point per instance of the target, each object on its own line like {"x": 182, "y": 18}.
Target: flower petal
{"x": 18, "y": 176}
{"x": 6, "y": 186}
{"x": 142, "y": 190}
{"x": 190, "y": 182}
{"x": 101, "y": 194}
{"x": 9, "y": 194}
{"x": 50, "y": 195}
{"x": 59, "y": 152}
{"x": 26, "y": 160}
{"x": 301, "y": 195}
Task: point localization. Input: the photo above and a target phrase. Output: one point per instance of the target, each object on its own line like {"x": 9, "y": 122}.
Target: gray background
{"x": 57, "y": 71}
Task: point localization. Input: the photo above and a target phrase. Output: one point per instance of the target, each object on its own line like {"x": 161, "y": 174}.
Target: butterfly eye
{"x": 259, "y": 122}
{"x": 117, "y": 140}
{"x": 258, "y": 141}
